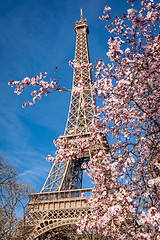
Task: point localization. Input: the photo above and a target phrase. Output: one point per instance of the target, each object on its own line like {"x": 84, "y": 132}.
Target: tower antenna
{"x": 81, "y": 13}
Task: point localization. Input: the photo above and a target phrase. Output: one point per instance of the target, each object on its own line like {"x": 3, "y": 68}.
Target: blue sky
{"x": 36, "y": 36}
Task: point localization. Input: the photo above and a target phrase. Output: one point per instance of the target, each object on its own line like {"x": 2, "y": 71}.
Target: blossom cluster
{"x": 44, "y": 87}
{"x": 125, "y": 202}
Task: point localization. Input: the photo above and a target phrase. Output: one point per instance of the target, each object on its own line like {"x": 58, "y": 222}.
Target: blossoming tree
{"x": 125, "y": 202}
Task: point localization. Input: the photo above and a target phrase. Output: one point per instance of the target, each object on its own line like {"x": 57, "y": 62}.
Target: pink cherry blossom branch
{"x": 45, "y": 87}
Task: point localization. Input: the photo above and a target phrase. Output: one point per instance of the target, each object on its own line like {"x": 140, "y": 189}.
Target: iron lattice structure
{"x": 69, "y": 176}
{"x": 53, "y": 212}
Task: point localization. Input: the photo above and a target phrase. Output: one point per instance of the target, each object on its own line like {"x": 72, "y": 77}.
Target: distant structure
{"x": 53, "y": 212}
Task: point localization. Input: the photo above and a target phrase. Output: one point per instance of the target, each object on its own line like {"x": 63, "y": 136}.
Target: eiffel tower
{"x": 69, "y": 176}
{"x": 53, "y": 212}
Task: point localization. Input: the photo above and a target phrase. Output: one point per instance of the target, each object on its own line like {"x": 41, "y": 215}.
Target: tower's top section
{"x": 82, "y": 104}
{"x": 81, "y": 26}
